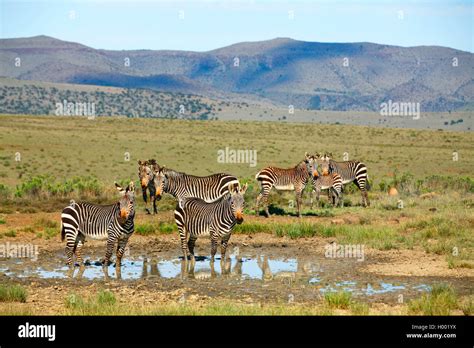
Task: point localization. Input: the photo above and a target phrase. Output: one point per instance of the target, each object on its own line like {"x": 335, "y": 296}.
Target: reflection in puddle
{"x": 241, "y": 268}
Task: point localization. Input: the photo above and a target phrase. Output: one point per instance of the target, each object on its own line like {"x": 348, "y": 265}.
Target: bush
{"x": 44, "y": 186}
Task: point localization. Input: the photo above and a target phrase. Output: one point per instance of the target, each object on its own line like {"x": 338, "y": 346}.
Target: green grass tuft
{"x": 12, "y": 293}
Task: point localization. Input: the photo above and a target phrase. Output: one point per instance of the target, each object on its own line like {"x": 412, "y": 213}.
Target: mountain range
{"x": 282, "y": 71}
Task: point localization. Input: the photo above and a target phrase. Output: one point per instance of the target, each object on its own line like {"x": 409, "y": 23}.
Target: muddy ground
{"x": 263, "y": 268}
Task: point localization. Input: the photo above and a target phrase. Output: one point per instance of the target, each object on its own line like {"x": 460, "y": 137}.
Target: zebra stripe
{"x": 196, "y": 218}
{"x": 113, "y": 222}
{"x": 182, "y": 185}
{"x": 291, "y": 179}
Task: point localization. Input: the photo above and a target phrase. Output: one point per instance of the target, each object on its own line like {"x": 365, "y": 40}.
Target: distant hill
{"x": 308, "y": 75}
{"x": 46, "y": 98}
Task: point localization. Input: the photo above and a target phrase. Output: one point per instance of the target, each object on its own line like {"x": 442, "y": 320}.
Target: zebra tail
{"x": 63, "y": 232}
{"x": 367, "y": 184}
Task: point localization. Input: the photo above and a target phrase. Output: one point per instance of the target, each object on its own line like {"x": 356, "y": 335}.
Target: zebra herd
{"x": 206, "y": 206}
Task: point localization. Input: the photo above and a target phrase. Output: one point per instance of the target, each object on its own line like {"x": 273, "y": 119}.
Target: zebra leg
{"x": 145, "y": 198}
{"x": 334, "y": 197}
{"x": 80, "y": 243}
{"x": 121, "y": 245}
{"x": 191, "y": 244}
{"x": 224, "y": 243}
{"x": 213, "y": 270}
{"x": 360, "y": 183}
{"x": 318, "y": 193}
{"x": 155, "y": 211}
{"x": 70, "y": 245}
{"x": 257, "y": 201}
{"x": 213, "y": 246}
{"x": 298, "y": 202}
{"x": 365, "y": 195}
{"x": 183, "y": 237}
{"x": 263, "y": 197}
{"x": 108, "y": 253}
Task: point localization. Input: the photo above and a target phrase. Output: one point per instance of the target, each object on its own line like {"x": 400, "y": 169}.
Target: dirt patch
{"x": 263, "y": 268}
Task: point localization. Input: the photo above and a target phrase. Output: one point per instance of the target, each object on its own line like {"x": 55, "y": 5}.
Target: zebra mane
{"x": 172, "y": 172}
{"x": 301, "y": 164}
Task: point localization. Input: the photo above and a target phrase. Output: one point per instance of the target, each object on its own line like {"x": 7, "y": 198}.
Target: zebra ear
{"x": 118, "y": 187}
{"x": 244, "y": 188}
{"x": 131, "y": 186}
{"x": 231, "y": 188}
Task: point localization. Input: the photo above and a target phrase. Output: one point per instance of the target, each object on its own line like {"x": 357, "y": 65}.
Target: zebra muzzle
{"x": 239, "y": 217}
{"x": 158, "y": 195}
{"x": 144, "y": 183}
{"x": 315, "y": 174}
{"x": 123, "y": 213}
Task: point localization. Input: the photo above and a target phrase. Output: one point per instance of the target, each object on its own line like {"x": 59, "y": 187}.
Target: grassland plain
{"x": 108, "y": 148}
{"x": 435, "y": 225}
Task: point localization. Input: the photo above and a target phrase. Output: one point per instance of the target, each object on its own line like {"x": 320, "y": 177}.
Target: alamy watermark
{"x": 14, "y": 250}
{"x": 228, "y": 155}
{"x": 67, "y": 108}
{"x": 340, "y": 251}
{"x": 392, "y": 108}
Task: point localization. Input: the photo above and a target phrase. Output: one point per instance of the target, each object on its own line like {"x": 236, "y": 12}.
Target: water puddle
{"x": 266, "y": 269}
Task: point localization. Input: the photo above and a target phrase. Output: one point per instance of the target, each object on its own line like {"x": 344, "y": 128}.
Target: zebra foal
{"x": 113, "y": 222}
{"x": 146, "y": 175}
{"x": 350, "y": 171}
{"x": 328, "y": 181}
{"x": 196, "y": 218}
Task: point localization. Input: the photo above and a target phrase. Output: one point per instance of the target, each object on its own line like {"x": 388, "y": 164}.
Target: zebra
{"x": 182, "y": 185}
{"x": 350, "y": 171}
{"x": 112, "y": 222}
{"x": 328, "y": 181}
{"x": 196, "y": 217}
{"x": 146, "y": 174}
{"x": 291, "y": 179}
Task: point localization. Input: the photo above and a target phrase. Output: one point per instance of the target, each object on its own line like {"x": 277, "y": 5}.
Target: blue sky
{"x": 209, "y": 24}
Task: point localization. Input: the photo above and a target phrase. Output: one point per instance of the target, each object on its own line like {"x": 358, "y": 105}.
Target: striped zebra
{"x": 146, "y": 175}
{"x": 328, "y": 181}
{"x": 291, "y": 179}
{"x": 196, "y": 217}
{"x": 350, "y": 171}
{"x": 112, "y": 222}
{"x": 182, "y": 185}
